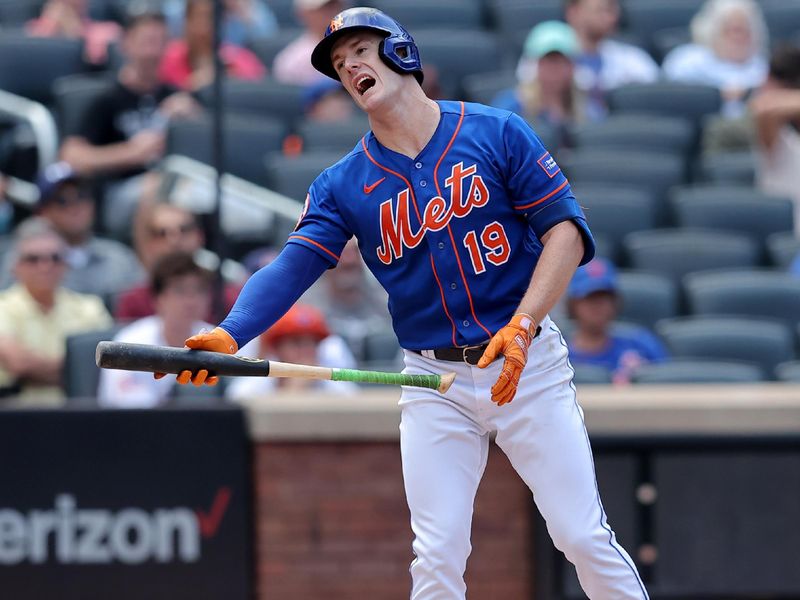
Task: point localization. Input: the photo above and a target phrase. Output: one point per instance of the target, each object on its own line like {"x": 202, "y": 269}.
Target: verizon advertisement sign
{"x": 164, "y": 519}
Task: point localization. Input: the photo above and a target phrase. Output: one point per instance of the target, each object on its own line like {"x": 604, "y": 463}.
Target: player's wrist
{"x": 526, "y": 322}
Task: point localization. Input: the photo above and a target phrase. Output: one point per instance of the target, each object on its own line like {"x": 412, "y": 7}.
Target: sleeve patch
{"x": 549, "y": 165}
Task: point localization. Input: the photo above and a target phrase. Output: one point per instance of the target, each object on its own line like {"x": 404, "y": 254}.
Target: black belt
{"x": 468, "y": 354}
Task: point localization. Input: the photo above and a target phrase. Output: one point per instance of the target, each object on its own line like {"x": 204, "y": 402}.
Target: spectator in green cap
{"x": 546, "y": 93}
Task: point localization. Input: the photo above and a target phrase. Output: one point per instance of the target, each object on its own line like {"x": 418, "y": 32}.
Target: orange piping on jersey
{"x": 317, "y": 244}
{"x": 416, "y": 210}
{"x": 543, "y": 198}
{"x": 449, "y": 229}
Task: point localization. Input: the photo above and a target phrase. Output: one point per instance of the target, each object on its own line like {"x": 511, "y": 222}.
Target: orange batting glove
{"x": 217, "y": 340}
{"x": 512, "y": 341}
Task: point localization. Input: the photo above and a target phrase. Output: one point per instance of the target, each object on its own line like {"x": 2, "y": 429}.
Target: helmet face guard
{"x": 397, "y": 49}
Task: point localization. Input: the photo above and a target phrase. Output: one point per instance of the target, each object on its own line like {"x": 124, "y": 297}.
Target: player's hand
{"x": 512, "y": 341}
{"x": 217, "y": 340}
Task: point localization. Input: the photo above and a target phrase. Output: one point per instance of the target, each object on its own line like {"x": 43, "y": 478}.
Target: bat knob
{"x": 446, "y": 380}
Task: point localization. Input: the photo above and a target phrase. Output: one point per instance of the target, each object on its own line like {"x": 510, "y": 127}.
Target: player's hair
{"x": 173, "y": 265}
{"x": 143, "y": 12}
{"x": 707, "y": 24}
{"x": 784, "y": 65}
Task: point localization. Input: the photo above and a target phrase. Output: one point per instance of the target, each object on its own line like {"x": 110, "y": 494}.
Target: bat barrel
{"x": 166, "y": 359}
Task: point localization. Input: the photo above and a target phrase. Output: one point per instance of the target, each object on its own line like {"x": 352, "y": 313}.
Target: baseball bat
{"x": 166, "y": 359}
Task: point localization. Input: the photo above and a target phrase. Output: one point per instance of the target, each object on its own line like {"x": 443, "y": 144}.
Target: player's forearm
{"x": 563, "y": 251}
{"x": 88, "y": 159}
{"x": 270, "y": 292}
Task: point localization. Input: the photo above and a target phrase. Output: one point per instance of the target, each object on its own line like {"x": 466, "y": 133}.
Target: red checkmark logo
{"x": 368, "y": 188}
{"x": 210, "y": 521}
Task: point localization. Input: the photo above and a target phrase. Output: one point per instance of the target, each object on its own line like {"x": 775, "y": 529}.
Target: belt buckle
{"x": 468, "y": 348}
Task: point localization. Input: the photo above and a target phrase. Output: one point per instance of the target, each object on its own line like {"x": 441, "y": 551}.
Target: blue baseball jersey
{"x": 452, "y": 234}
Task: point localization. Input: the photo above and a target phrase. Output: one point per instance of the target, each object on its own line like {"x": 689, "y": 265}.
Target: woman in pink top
{"x": 188, "y": 63}
{"x": 70, "y": 19}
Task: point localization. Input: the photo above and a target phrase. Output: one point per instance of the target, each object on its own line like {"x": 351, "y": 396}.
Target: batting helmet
{"x": 397, "y": 49}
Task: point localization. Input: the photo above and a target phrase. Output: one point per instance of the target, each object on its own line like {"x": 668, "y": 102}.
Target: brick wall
{"x": 332, "y": 524}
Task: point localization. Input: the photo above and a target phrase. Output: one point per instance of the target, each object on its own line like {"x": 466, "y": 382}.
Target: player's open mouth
{"x": 363, "y": 83}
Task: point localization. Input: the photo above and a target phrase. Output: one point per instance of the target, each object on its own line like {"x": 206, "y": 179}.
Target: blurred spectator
{"x": 301, "y": 336}
{"x": 326, "y": 101}
{"x": 123, "y": 133}
{"x": 38, "y": 314}
{"x": 593, "y": 303}
{"x": 95, "y": 265}
{"x": 728, "y": 50}
{"x": 6, "y": 207}
{"x": 243, "y": 20}
{"x": 776, "y": 110}
{"x": 351, "y": 299}
{"x": 293, "y": 63}
{"x": 188, "y": 63}
{"x": 181, "y": 291}
{"x": 602, "y": 63}
{"x": 70, "y": 19}
{"x": 546, "y": 91}
{"x": 163, "y": 228}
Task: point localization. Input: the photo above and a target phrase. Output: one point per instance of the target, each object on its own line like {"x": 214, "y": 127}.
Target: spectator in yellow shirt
{"x": 37, "y": 314}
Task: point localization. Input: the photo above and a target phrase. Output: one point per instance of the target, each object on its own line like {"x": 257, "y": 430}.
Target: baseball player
{"x": 471, "y": 227}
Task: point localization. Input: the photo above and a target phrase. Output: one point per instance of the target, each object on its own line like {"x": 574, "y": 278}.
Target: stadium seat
{"x": 382, "y": 351}
{"x": 80, "y": 373}
{"x": 766, "y": 343}
{"x": 246, "y": 142}
{"x": 652, "y": 133}
{"x": 655, "y": 172}
{"x": 416, "y": 15}
{"x": 783, "y": 19}
{"x": 28, "y": 66}
{"x": 731, "y": 168}
{"x": 456, "y": 54}
{"x": 646, "y": 298}
{"x": 663, "y": 41}
{"x": 645, "y": 17}
{"x": 757, "y": 293}
{"x": 337, "y": 136}
{"x": 782, "y": 248}
{"x": 732, "y": 208}
{"x": 266, "y": 49}
{"x": 483, "y": 87}
{"x": 690, "y": 101}
{"x": 15, "y": 13}
{"x": 590, "y": 374}
{"x": 285, "y": 13}
{"x": 676, "y": 252}
{"x": 698, "y": 370}
{"x": 268, "y": 98}
{"x": 292, "y": 175}
{"x": 615, "y": 211}
{"x": 789, "y": 371}
{"x": 511, "y": 16}
{"x": 73, "y": 96}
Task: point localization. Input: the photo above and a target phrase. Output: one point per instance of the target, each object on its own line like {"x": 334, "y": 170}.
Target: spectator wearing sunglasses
{"x": 37, "y": 314}
{"x": 95, "y": 265}
{"x": 163, "y": 228}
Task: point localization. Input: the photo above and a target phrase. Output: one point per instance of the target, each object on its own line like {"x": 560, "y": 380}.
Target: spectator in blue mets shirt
{"x": 593, "y": 303}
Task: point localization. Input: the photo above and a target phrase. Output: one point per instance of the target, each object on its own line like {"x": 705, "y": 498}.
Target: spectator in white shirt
{"x": 602, "y": 63}
{"x": 728, "y": 50}
{"x": 182, "y": 291}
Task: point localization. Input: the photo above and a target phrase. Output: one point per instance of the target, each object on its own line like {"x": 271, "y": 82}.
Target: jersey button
{"x": 423, "y": 183}
{"x": 465, "y": 323}
{"x": 453, "y": 286}
{"x": 441, "y": 245}
{"x": 418, "y": 165}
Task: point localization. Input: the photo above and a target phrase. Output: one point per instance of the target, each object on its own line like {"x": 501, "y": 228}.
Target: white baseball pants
{"x": 444, "y": 444}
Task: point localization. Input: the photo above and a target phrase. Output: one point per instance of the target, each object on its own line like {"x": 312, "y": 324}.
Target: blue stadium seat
{"x": 73, "y": 95}
{"x": 789, "y": 371}
{"x": 292, "y": 175}
{"x": 266, "y": 49}
{"x": 653, "y": 133}
{"x": 646, "y": 298}
{"x": 690, "y": 101}
{"x": 729, "y": 168}
{"x": 416, "y": 15}
{"x": 268, "y": 98}
{"x": 645, "y": 17}
{"x": 783, "y": 19}
{"x": 782, "y": 248}
{"x": 696, "y": 370}
{"x": 676, "y": 252}
{"x": 756, "y": 293}
{"x": 337, "y": 136}
{"x": 732, "y": 208}
{"x": 80, "y": 373}
{"x": 483, "y": 87}
{"x": 766, "y": 343}
{"x": 591, "y": 374}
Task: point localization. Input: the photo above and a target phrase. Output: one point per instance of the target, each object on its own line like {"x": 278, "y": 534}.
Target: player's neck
{"x": 408, "y": 125}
